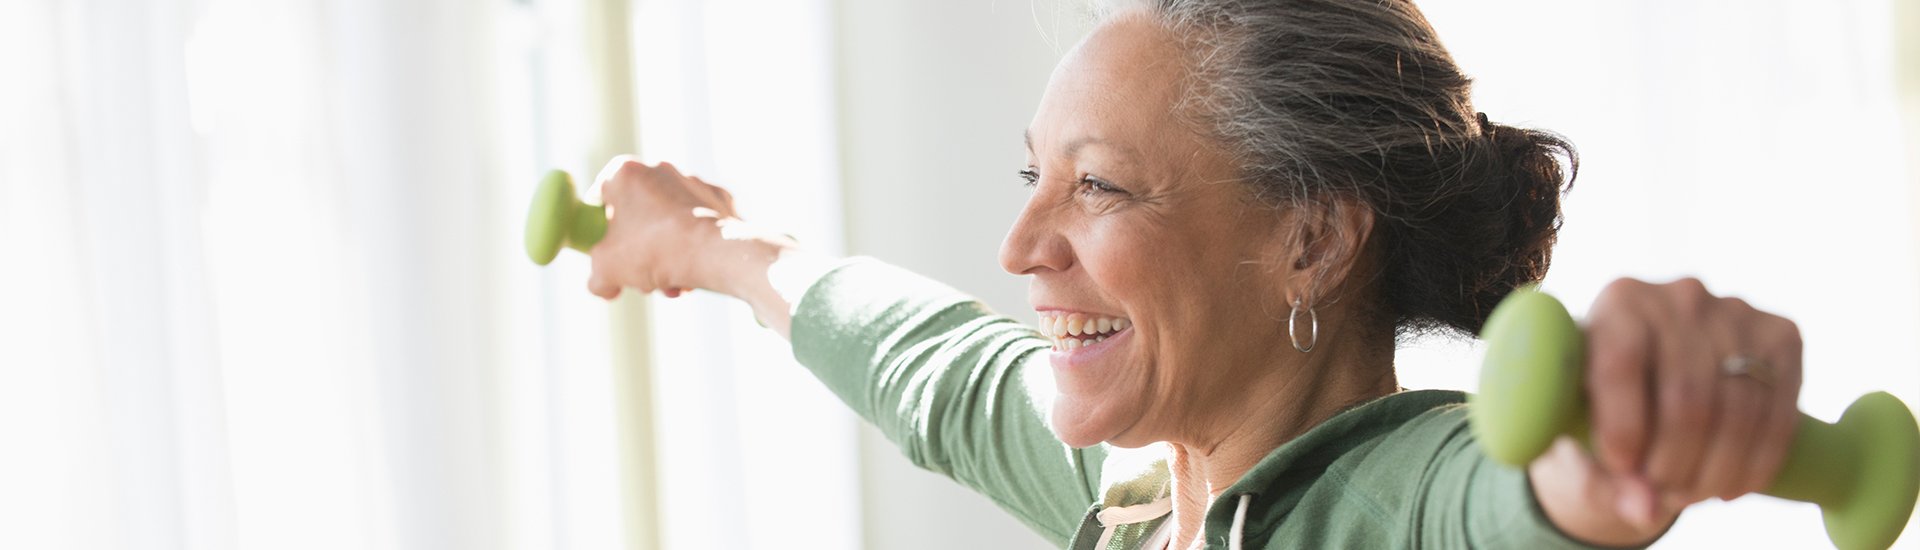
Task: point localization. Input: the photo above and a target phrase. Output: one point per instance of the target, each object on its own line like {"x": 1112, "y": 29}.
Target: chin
{"x": 1081, "y": 426}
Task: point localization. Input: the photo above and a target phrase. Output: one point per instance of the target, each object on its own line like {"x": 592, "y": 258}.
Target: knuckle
{"x": 1690, "y": 285}
{"x": 1787, "y": 333}
{"x": 1690, "y": 296}
{"x": 628, "y": 166}
{"x": 612, "y": 187}
{"x": 1737, "y": 305}
{"x": 1622, "y": 286}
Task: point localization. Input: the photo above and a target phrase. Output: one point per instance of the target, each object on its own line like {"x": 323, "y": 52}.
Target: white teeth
{"x": 1060, "y": 327}
{"x": 1100, "y": 339}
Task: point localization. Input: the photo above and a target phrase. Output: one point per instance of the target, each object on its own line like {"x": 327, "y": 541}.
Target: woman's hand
{"x": 664, "y": 230}
{"x": 1691, "y": 396}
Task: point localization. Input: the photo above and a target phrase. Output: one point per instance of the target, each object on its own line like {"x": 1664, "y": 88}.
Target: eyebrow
{"x": 1073, "y": 147}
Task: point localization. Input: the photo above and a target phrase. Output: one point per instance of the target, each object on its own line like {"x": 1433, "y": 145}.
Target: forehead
{"x": 1118, "y": 88}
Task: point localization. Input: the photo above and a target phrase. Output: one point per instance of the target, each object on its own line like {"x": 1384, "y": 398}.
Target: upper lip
{"x": 1069, "y": 311}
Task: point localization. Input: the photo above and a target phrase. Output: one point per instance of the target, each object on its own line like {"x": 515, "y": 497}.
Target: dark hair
{"x": 1324, "y": 99}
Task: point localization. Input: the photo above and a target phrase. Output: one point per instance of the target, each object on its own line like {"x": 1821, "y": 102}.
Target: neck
{"x": 1293, "y": 402}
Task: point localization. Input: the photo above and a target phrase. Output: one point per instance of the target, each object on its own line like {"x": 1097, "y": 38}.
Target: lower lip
{"x": 1082, "y": 357}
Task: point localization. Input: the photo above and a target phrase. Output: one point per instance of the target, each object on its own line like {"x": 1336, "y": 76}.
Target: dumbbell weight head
{"x": 1530, "y": 383}
{"x": 1886, "y": 475}
{"x": 558, "y": 219}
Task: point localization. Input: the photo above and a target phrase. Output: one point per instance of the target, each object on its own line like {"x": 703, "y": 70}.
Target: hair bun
{"x": 1480, "y": 229}
{"x": 1529, "y": 170}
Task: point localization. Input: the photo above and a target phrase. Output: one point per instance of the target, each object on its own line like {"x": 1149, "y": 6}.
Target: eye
{"x": 1093, "y": 185}
{"x": 1030, "y": 176}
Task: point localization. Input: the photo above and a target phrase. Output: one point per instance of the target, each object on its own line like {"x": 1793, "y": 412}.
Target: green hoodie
{"x": 963, "y": 392}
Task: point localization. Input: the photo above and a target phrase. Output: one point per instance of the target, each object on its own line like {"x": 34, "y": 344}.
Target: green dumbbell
{"x": 558, "y": 218}
{"x": 1863, "y": 471}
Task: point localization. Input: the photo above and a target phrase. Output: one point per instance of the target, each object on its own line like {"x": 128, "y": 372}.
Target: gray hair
{"x": 1318, "y": 100}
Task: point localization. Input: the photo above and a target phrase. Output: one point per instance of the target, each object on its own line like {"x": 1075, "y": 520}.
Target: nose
{"x": 1033, "y": 244}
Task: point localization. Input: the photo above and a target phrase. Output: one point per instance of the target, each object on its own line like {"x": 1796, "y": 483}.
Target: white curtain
{"x": 264, "y": 287}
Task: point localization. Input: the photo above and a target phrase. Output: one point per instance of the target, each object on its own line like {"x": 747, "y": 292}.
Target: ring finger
{"x": 1741, "y": 412}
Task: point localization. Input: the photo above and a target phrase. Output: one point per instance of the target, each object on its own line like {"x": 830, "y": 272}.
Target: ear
{"x": 1328, "y": 238}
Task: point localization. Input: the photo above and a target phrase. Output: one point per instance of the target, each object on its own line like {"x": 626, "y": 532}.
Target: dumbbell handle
{"x": 1863, "y": 471}
{"x": 557, "y": 218}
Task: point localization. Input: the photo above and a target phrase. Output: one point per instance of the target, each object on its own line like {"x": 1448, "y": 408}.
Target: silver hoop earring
{"x": 1292, "y": 334}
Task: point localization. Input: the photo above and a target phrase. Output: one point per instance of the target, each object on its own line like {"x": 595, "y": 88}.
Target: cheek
{"x": 1125, "y": 263}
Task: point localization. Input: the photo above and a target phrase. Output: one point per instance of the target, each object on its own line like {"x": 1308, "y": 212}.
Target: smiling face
{"x": 1137, "y": 219}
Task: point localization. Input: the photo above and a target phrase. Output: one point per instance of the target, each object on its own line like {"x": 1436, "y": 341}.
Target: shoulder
{"x": 1413, "y": 417}
{"x": 1409, "y": 438}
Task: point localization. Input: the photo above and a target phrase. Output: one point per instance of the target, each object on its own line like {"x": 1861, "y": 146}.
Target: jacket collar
{"x": 1137, "y": 486}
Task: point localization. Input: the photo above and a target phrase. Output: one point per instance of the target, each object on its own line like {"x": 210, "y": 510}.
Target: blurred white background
{"x": 263, "y": 285}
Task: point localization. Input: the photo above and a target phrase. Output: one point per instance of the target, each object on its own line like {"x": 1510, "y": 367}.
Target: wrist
{"x": 767, "y": 270}
{"x": 1568, "y": 493}
{"x": 741, "y": 257}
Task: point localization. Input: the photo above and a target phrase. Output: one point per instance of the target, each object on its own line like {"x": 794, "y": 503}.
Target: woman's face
{"x": 1136, "y": 219}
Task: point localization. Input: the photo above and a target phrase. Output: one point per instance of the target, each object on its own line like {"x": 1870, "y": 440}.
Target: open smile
{"x": 1071, "y": 331}
{"x": 1082, "y": 339}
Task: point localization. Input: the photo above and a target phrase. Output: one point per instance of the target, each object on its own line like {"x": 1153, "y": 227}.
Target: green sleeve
{"x": 1474, "y": 502}
{"x": 959, "y": 389}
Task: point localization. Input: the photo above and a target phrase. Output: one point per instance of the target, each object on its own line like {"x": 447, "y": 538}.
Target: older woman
{"x": 1237, "y": 208}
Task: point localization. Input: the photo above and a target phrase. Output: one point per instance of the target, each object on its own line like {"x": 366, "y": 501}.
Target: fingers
{"x": 1619, "y": 357}
{"x": 716, "y": 196}
{"x": 663, "y": 183}
{"x": 1741, "y": 408}
{"x": 1687, "y": 396}
{"x": 648, "y": 209}
{"x": 618, "y": 164}
{"x": 1665, "y": 416}
{"x": 1775, "y": 435}
{"x": 1729, "y": 453}
{"x": 613, "y": 177}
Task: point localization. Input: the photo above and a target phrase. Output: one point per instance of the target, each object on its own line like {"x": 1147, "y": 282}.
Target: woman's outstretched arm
{"x": 944, "y": 378}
